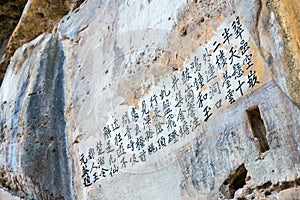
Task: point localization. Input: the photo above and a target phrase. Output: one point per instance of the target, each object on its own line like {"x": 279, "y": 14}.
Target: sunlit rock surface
{"x": 153, "y": 100}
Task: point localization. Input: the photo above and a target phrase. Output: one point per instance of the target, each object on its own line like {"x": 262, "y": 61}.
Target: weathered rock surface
{"x": 152, "y": 100}
{"x": 38, "y": 17}
{"x": 10, "y": 13}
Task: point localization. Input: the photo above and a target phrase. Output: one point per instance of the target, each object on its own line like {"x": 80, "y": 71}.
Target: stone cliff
{"x": 150, "y": 99}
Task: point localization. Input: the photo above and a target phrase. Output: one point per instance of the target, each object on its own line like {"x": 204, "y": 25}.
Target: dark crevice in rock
{"x": 283, "y": 186}
{"x": 3, "y": 43}
{"x": 269, "y": 188}
{"x": 257, "y": 22}
{"x": 258, "y": 128}
{"x": 235, "y": 181}
{"x": 77, "y": 4}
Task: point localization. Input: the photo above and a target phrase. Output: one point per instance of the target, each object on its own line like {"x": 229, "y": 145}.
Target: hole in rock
{"x": 183, "y": 32}
{"x": 258, "y": 128}
{"x": 235, "y": 181}
{"x": 40, "y": 15}
{"x": 267, "y": 193}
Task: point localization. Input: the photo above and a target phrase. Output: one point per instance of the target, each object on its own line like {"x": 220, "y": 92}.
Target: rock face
{"x": 10, "y": 13}
{"x": 38, "y": 17}
{"x": 152, "y": 100}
